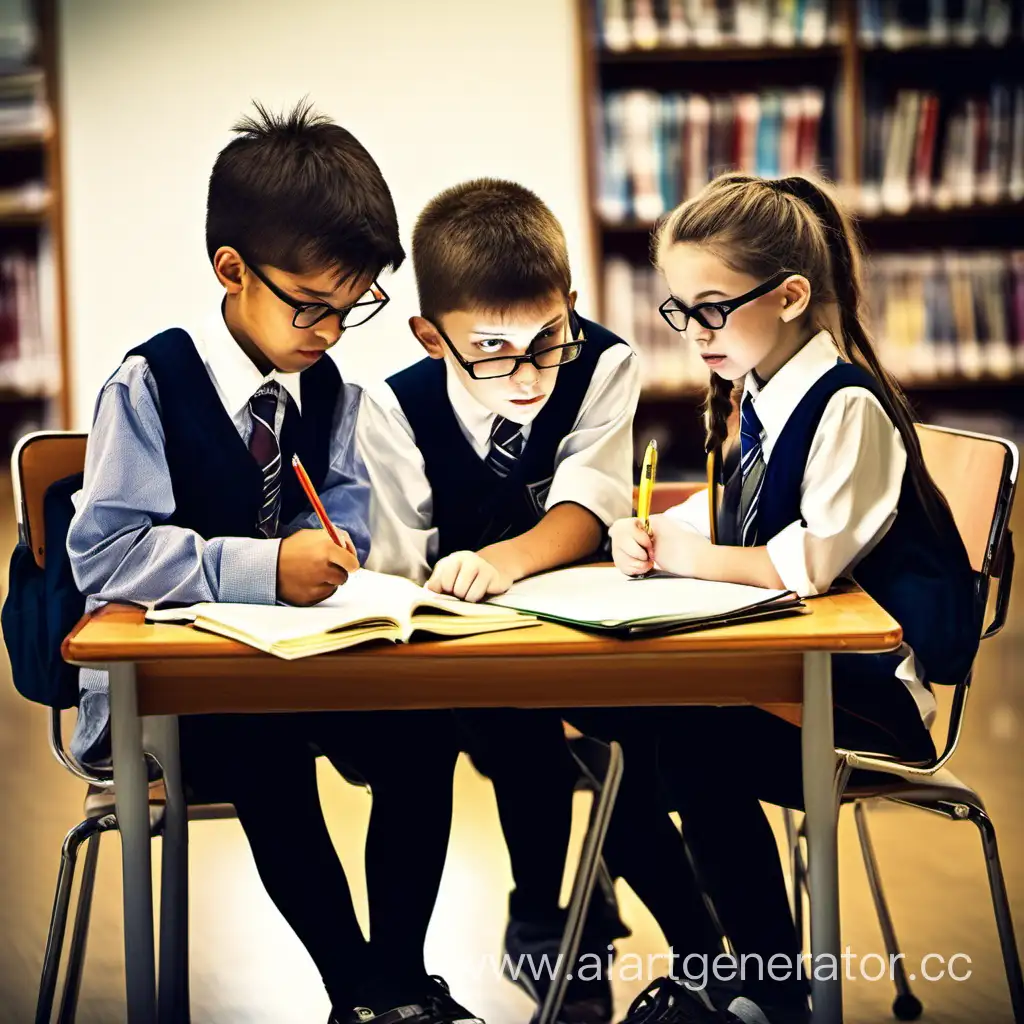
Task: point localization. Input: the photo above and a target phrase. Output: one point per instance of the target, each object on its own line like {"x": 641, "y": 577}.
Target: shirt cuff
{"x": 248, "y": 570}
{"x": 789, "y": 556}
{"x": 606, "y": 498}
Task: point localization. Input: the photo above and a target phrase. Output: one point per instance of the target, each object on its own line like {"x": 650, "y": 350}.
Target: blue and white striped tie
{"x": 752, "y": 468}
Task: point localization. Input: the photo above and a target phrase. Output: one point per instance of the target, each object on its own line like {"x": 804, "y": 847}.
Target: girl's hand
{"x": 679, "y": 549}
{"x": 632, "y": 547}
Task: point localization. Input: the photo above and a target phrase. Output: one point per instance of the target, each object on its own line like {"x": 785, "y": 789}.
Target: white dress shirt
{"x": 850, "y": 491}
{"x": 593, "y": 462}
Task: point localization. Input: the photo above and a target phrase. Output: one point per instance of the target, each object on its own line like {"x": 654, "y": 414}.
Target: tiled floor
{"x": 247, "y": 967}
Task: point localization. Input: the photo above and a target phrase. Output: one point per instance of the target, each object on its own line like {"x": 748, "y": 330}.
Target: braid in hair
{"x": 716, "y": 411}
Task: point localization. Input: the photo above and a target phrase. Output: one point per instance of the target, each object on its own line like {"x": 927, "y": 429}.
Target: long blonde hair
{"x": 760, "y": 226}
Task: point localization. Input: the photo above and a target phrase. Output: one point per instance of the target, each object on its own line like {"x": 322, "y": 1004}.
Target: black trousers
{"x": 265, "y": 766}
{"x": 715, "y": 766}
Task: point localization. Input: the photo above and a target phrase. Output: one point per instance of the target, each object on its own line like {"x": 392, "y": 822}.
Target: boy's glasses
{"x": 712, "y": 315}
{"x": 308, "y": 314}
{"x": 506, "y": 366}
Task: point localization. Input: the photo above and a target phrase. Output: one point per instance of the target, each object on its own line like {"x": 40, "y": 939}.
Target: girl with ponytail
{"x": 825, "y": 479}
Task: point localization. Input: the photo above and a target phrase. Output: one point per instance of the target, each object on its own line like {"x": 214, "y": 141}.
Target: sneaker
{"x": 587, "y": 1001}
{"x": 667, "y": 1002}
{"x": 412, "y": 1013}
{"x": 438, "y": 999}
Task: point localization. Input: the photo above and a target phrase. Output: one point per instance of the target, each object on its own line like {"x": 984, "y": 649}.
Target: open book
{"x": 370, "y": 606}
{"x": 602, "y": 599}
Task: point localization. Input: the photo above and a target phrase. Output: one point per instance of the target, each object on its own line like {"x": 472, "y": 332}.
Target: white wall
{"x": 438, "y": 90}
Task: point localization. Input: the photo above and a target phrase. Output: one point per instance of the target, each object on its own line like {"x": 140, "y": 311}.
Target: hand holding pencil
{"x": 312, "y": 564}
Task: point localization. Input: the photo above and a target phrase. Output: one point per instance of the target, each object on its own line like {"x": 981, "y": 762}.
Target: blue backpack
{"x": 43, "y": 606}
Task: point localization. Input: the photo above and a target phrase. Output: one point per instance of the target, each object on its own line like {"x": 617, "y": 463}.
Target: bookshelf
{"x": 34, "y": 388}
{"x": 871, "y": 89}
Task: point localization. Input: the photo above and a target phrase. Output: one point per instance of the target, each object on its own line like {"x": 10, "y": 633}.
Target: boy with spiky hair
{"x": 189, "y": 496}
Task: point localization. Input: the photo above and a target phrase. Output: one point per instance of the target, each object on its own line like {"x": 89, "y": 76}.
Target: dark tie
{"x": 266, "y": 450}
{"x": 752, "y": 468}
{"x": 507, "y": 444}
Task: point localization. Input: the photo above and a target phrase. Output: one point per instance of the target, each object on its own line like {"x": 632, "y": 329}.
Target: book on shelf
{"x": 944, "y": 315}
{"x": 651, "y": 24}
{"x": 658, "y": 148}
{"x": 898, "y": 24}
{"x": 923, "y": 149}
{"x": 28, "y": 352}
{"x": 24, "y": 110}
{"x": 369, "y": 606}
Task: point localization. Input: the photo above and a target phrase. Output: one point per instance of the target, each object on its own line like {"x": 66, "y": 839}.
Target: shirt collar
{"x": 233, "y": 371}
{"x": 476, "y": 419}
{"x": 775, "y": 402}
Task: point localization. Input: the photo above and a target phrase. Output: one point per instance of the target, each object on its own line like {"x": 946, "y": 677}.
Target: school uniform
{"x": 828, "y": 493}
{"x": 188, "y": 492}
{"x": 427, "y": 445}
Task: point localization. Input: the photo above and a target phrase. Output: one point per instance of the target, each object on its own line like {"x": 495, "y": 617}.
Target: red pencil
{"x": 314, "y": 500}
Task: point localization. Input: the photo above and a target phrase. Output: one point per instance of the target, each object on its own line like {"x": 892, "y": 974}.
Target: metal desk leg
{"x": 131, "y": 788}
{"x": 819, "y": 768}
{"x": 583, "y": 887}
{"x": 173, "y": 995}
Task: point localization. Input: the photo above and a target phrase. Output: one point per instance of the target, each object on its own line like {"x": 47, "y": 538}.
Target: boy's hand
{"x": 632, "y": 547}
{"x": 311, "y": 567}
{"x": 468, "y": 576}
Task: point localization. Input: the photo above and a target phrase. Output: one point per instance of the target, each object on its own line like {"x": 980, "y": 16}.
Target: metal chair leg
{"x": 59, "y": 917}
{"x": 906, "y": 1005}
{"x": 1001, "y": 906}
{"x": 80, "y": 931}
{"x": 583, "y": 886}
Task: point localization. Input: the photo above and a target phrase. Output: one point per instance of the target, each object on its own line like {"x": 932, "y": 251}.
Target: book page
{"x": 604, "y": 596}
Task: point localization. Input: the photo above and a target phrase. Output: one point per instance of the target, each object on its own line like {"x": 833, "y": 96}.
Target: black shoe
{"x": 435, "y": 1007}
{"x": 412, "y": 1013}
{"x": 438, "y": 1000}
{"x": 667, "y": 1002}
{"x": 587, "y": 1001}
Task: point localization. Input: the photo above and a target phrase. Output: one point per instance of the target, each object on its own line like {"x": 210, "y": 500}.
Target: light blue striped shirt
{"x": 120, "y": 543}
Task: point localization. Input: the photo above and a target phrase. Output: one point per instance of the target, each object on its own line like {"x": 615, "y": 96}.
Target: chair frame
{"x": 929, "y": 785}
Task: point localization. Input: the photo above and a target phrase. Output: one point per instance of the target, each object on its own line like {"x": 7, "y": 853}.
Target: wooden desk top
{"x": 181, "y": 670}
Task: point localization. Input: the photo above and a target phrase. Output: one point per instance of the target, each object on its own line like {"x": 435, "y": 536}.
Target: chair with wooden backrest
{"x": 977, "y": 473}
{"x": 39, "y": 460}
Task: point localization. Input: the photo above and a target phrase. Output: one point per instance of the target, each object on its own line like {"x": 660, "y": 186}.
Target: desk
{"x": 160, "y": 671}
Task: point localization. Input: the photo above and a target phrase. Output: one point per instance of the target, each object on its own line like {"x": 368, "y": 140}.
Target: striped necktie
{"x": 507, "y": 444}
{"x": 752, "y": 468}
{"x": 266, "y": 450}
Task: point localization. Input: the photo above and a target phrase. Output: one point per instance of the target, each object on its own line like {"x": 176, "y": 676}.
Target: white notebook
{"x": 370, "y": 606}
{"x": 602, "y": 599}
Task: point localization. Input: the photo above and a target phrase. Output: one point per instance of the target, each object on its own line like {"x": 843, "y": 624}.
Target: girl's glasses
{"x": 506, "y": 366}
{"x": 308, "y": 314}
{"x": 712, "y": 315}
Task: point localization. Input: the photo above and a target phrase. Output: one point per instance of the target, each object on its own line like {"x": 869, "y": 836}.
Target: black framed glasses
{"x": 543, "y": 359}
{"x": 308, "y": 314}
{"x": 712, "y": 315}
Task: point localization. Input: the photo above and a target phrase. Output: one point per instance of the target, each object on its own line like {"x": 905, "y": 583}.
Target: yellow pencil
{"x": 647, "y": 474}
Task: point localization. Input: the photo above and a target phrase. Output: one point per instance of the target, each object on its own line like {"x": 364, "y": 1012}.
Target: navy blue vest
{"x": 919, "y": 572}
{"x": 473, "y": 506}
{"x": 218, "y": 488}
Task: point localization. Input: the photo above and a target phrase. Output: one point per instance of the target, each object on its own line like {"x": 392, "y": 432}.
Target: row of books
{"x": 934, "y": 316}
{"x": 923, "y": 149}
{"x": 657, "y": 148}
{"x": 28, "y": 355}
{"x": 895, "y": 24}
{"x": 949, "y": 314}
{"x": 650, "y": 24}
{"x": 892, "y": 24}
{"x": 23, "y": 106}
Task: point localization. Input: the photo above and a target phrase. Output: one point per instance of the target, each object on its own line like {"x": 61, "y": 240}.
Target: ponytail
{"x": 854, "y": 341}
{"x": 716, "y": 410}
